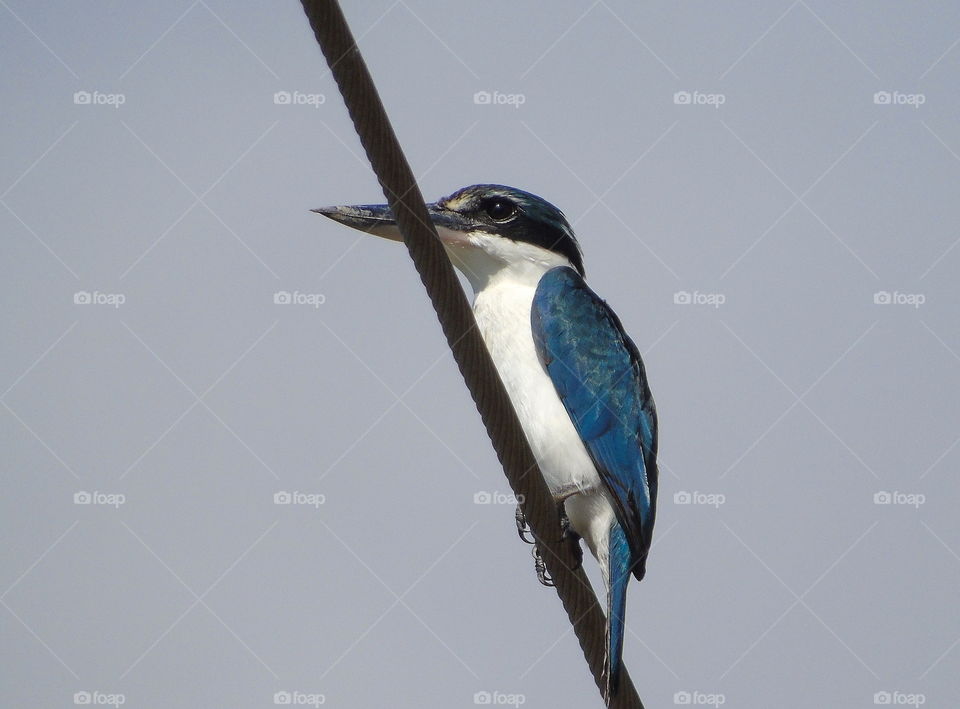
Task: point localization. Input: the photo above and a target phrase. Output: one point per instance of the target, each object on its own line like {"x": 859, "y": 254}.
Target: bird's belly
{"x": 504, "y": 322}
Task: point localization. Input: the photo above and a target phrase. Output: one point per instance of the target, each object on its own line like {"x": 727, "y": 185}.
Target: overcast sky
{"x": 765, "y": 192}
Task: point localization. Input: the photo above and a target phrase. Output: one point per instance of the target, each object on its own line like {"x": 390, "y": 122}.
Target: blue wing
{"x": 599, "y": 375}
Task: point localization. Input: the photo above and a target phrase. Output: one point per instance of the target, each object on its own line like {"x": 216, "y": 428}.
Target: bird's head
{"x": 488, "y": 230}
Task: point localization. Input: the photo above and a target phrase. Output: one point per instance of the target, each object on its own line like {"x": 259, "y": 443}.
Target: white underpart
{"x": 504, "y": 275}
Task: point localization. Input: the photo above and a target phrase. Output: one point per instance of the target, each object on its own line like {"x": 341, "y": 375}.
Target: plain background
{"x": 797, "y": 400}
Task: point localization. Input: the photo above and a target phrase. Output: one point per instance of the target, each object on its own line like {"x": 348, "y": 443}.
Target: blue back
{"x": 599, "y": 375}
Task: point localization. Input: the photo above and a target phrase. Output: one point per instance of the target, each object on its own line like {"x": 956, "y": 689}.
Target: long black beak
{"x": 377, "y": 219}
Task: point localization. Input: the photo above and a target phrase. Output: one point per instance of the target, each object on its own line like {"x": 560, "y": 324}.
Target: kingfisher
{"x": 575, "y": 378}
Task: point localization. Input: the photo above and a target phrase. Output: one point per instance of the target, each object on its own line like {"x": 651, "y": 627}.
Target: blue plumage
{"x": 511, "y": 245}
{"x": 618, "y": 572}
{"x": 599, "y": 376}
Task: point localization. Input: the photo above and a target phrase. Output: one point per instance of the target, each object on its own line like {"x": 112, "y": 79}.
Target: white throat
{"x": 488, "y": 260}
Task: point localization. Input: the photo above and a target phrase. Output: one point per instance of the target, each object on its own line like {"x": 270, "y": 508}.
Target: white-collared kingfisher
{"x": 575, "y": 378}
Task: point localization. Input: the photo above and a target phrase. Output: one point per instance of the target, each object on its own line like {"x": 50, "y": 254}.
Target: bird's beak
{"x": 377, "y": 219}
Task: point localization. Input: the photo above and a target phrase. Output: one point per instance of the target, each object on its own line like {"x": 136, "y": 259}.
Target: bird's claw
{"x": 543, "y": 576}
{"x": 567, "y": 534}
{"x": 522, "y": 529}
{"x": 526, "y": 534}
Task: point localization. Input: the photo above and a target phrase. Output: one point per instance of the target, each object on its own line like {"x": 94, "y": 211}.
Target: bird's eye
{"x": 500, "y": 209}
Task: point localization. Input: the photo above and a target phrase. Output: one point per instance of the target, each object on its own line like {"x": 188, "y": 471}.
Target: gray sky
{"x": 765, "y": 193}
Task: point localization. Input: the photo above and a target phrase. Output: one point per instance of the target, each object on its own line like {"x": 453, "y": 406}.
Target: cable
{"x": 456, "y": 318}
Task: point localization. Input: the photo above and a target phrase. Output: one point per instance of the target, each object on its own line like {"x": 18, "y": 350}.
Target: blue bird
{"x": 573, "y": 375}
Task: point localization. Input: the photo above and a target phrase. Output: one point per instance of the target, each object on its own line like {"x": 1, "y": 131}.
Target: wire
{"x": 456, "y": 318}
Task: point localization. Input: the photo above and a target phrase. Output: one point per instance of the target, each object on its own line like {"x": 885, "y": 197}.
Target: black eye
{"x": 499, "y": 209}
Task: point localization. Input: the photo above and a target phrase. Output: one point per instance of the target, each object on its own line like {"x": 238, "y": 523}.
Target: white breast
{"x": 503, "y": 316}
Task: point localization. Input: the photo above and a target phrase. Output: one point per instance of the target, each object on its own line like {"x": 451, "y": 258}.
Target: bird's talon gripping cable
{"x": 522, "y": 528}
{"x": 543, "y": 576}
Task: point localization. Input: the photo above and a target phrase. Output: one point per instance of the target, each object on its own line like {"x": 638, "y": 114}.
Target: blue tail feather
{"x": 618, "y": 576}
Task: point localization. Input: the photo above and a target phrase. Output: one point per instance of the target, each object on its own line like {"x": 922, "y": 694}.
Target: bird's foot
{"x": 567, "y": 534}
{"x": 543, "y": 576}
{"x": 522, "y": 529}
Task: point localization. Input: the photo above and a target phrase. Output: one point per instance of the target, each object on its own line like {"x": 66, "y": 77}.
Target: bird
{"x": 575, "y": 378}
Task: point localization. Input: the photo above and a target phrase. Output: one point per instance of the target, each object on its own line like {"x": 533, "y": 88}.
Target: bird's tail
{"x": 618, "y": 575}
